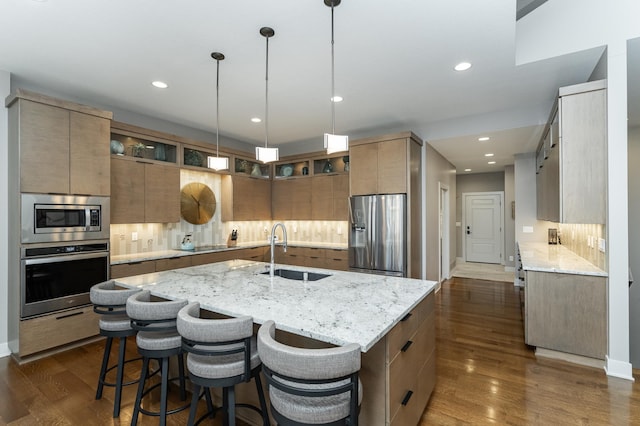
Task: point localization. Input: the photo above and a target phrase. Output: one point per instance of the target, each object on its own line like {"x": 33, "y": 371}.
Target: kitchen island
{"x": 392, "y": 319}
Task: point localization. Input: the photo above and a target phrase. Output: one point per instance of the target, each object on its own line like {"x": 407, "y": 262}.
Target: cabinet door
{"x": 89, "y": 155}
{"x": 162, "y": 194}
{"x": 392, "y": 167}
{"x": 363, "y": 171}
{"x": 300, "y": 199}
{"x": 340, "y": 197}
{"x": 281, "y": 200}
{"x": 44, "y": 148}
{"x": 552, "y": 185}
{"x": 583, "y": 156}
{"x": 250, "y": 199}
{"x": 322, "y": 201}
{"x": 127, "y": 191}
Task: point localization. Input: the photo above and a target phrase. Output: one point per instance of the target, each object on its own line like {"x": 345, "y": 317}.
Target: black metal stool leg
{"x": 194, "y": 404}
{"x": 263, "y": 402}
{"x": 119, "y": 376}
{"x": 164, "y": 389}
{"x": 231, "y": 406}
{"x": 103, "y": 369}
{"x": 183, "y": 393}
{"x": 143, "y": 379}
{"x": 225, "y": 406}
{"x": 210, "y": 408}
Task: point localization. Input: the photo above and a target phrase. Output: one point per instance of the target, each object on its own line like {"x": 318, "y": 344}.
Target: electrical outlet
{"x": 339, "y": 230}
{"x": 601, "y": 244}
{"x": 134, "y": 236}
{"x": 295, "y": 229}
{"x": 510, "y": 258}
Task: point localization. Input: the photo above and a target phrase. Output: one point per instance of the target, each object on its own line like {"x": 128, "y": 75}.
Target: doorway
{"x": 443, "y": 246}
{"x": 483, "y": 226}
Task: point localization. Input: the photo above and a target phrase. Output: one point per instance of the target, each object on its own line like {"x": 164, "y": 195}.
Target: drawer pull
{"x": 69, "y": 315}
{"x": 406, "y": 346}
{"x": 406, "y": 317}
{"x": 407, "y": 397}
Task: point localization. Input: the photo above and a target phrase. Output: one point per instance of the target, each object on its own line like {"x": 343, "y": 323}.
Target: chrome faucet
{"x": 273, "y": 243}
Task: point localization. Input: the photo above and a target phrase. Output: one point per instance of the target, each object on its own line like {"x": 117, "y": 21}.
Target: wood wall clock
{"x": 197, "y": 203}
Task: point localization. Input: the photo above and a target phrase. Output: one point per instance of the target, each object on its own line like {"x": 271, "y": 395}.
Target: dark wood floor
{"x": 486, "y": 375}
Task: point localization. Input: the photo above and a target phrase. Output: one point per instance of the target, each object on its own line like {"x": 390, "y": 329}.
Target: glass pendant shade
{"x": 267, "y": 155}
{"x": 218, "y": 163}
{"x": 336, "y": 143}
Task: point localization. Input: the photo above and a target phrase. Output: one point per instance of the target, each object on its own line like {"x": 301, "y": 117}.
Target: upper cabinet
{"x": 245, "y": 198}
{"x": 64, "y": 147}
{"x": 383, "y": 165}
{"x": 571, "y": 169}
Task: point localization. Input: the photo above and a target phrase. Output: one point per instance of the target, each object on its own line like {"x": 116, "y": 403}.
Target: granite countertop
{"x": 342, "y": 308}
{"x": 555, "y": 258}
{"x": 165, "y": 254}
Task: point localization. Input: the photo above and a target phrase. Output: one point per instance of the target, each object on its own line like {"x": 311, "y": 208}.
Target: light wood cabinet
{"x": 313, "y": 257}
{"x": 330, "y": 197}
{"x": 64, "y": 147}
{"x": 144, "y": 192}
{"x": 291, "y": 199}
{"x": 379, "y": 167}
{"x": 54, "y": 330}
{"x": 245, "y": 198}
{"x": 572, "y": 179}
{"x": 132, "y": 268}
{"x": 566, "y": 312}
{"x": 407, "y": 357}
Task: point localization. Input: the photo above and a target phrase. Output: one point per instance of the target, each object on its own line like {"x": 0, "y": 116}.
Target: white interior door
{"x": 444, "y": 232}
{"x": 483, "y": 227}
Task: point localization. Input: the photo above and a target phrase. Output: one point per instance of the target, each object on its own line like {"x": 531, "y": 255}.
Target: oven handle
{"x": 64, "y": 258}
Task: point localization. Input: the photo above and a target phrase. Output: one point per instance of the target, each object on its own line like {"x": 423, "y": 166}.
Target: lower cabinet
{"x": 54, "y": 330}
{"x": 407, "y": 356}
{"x": 313, "y": 257}
{"x": 566, "y": 313}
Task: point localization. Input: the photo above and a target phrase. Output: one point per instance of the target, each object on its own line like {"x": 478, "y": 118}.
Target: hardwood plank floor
{"x": 486, "y": 375}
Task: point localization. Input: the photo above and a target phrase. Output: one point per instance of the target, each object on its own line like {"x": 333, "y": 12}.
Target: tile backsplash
{"x": 167, "y": 236}
{"x": 576, "y": 237}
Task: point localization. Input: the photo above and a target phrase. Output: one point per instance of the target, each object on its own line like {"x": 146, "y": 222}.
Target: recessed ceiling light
{"x": 483, "y": 138}
{"x": 467, "y": 170}
{"x": 160, "y": 84}
{"x": 491, "y": 162}
{"x": 488, "y": 155}
{"x": 462, "y": 66}
{"x": 256, "y": 120}
{"x": 336, "y": 98}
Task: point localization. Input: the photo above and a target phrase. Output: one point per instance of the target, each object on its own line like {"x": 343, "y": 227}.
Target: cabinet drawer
{"x": 313, "y": 252}
{"x": 402, "y": 370}
{"x": 134, "y": 268}
{"x": 337, "y": 254}
{"x": 410, "y": 413}
{"x": 399, "y": 335}
{"x": 173, "y": 263}
{"x": 295, "y": 251}
{"x": 337, "y": 264}
{"x": 50, "y": 331}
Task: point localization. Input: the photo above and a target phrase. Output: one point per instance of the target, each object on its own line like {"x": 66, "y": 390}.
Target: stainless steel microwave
{"x": 53, "y": 218}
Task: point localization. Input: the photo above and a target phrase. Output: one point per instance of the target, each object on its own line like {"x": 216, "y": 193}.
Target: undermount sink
{"x": 290, "y": 274}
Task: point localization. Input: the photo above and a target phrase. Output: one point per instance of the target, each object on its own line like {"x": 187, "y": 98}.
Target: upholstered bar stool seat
{"x": 158, "y": 339}
{"x": 310, "y": 386}
{"x": 109, "y": 302}
{"x": 221, "y": 354}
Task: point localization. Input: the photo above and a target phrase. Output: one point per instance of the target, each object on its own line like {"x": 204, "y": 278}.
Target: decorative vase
{"x": 255, "y": 170}
{"x": 328, "y": 167}
{"x": 345, "y": 159}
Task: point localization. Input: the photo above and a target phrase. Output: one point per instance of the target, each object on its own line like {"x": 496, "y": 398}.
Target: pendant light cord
{"x": 217, "y": 107}
{"x": 333, "y": 80}
{"x": 266, "y": 98}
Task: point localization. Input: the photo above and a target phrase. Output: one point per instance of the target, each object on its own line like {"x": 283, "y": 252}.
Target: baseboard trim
{"x": 509, "y": 269}
{"x": 576, "y": 359}
{"x": 620, "y": 369}
{"x": 4, "y": 350}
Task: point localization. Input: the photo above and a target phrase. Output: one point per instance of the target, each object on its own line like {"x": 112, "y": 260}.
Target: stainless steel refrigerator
{"x": 377, "y": 239}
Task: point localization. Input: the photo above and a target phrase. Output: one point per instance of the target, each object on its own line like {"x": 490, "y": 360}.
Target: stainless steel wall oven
{"x": 56, "y": 277}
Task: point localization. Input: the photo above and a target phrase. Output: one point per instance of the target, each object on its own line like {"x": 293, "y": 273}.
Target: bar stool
{"x": 222, "y": 353}
{"x": 109, "y": 302}
{"x": 310, "y": 386}
{"x": 157, "y": 339}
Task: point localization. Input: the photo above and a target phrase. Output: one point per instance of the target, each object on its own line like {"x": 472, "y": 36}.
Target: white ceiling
{"x": 393, "y": 66}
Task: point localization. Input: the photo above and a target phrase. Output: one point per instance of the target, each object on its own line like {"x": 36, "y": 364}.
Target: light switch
{"x": 134, "y": 236}
{"x": 601, "y": 244}
{"x": 527, "y": 229}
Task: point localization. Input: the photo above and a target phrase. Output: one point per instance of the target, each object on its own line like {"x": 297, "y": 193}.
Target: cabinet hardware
{"x": 406, "y": 346}
{"x": 407, "y": 397}
{"x": 134, "y": 263}
{"x": 69, "y": 315}
{"x": 406, "y": 317}
{"x": 143, "y": 162}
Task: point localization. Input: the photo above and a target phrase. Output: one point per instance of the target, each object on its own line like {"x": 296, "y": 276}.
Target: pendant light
{"x": 217, "y": 162}
{"x": 266, "y": 154}
{"x": 332, "y": 142}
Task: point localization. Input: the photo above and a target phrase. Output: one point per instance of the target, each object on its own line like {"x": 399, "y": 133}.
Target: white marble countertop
{"x": 555, "y": 258}
{"x": 342, "y": 308}
{"x": 165, "y": 254}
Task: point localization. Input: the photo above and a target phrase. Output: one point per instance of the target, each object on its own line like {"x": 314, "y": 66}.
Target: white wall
{"x": 5, "y": 88}
{"x": 634, "y": 245}
{"x": 509, "y": 220}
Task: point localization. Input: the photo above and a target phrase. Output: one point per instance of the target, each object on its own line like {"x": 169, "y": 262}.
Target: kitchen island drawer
{"x": 401, "y": 333}
{"x": 413, "y": 401}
